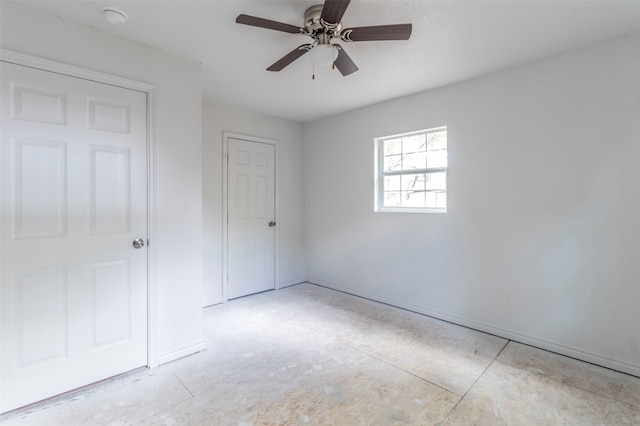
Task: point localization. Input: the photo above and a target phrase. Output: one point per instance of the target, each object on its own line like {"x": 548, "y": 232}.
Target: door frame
{"x": 150, "y": 90}
{"x": 225, "y": 207}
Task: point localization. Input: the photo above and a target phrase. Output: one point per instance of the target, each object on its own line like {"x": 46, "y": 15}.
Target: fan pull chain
{"x": 313, "y": 73}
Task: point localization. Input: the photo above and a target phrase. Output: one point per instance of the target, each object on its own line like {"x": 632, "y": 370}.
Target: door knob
{"x": 272, "y": 224}
{"x": 138, "y": 243}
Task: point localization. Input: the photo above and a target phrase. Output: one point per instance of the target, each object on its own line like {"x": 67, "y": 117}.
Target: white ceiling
{"x": 451, "y": 41}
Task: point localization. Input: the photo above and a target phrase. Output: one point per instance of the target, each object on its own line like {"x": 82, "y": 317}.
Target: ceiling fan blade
{"x": 290, "y": 57}
{"x": 377, "y": 32}
{"x": 268, "y": 24}
{"x": 333, "y": 10}
{"x": 344, "y": 63}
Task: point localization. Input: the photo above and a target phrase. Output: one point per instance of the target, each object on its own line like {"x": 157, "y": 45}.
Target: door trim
{"x": 150, "y": 90}
{"x": 225, "y": 208}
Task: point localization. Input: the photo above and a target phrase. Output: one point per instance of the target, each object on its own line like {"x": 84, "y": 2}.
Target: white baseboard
{"x": 625, "y": 367}
{"x": 290, "y": 283}
{"x": 172, "y": 356}
{"x": 212, "y": 302}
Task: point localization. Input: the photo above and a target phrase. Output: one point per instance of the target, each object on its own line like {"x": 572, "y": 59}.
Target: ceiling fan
{"x": 322, "y": 23}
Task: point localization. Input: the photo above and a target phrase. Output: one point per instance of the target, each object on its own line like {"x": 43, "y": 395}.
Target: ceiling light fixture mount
{"x": 114, "y": 16}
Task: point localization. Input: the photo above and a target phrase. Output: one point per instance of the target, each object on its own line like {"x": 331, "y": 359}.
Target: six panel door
{"x": 251, "y": 220}
{"x": 73, "y": 198}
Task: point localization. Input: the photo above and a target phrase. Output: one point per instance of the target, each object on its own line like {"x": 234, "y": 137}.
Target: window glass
{"x": 412, "y": 175}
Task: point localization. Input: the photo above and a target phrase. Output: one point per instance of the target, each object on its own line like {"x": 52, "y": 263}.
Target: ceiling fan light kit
{"x": 323, "y": 23}
{"x": 323, "y": 54}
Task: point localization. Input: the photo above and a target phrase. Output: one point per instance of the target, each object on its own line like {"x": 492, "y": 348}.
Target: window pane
{"x": 413, "y": 194}
{"x": 413, "y": 199}
{"x": 392, "y": 183}
{"x": 436, "y": 199}
{"x": 437, "y": 140}
{"x": 412, "y": 183}
{"x": 392, "y": 199}
{"x": 392, "y": 163}
{"x": 436, "y": 181}
{"x": 414, "y": 143}
{"x": 392, "y": 146}
{"x": 437, "y": 158}
{"x": 415, "y": 160}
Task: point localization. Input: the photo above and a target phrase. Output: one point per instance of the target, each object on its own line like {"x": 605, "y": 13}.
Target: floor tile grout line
{"x": 475, "y": 382}
{"x": 495, "y": 359}
{"x": 170, "y": 406}
{"x": 601, "y": 395}
{"x": 181, "y": 382}
{"x": 577, "y": 359}
{"x": 400, "y": 368}
{"x": 581, "y": 388}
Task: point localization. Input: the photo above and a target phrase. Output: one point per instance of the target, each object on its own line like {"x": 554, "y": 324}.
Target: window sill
{"x": 409, "y": 210}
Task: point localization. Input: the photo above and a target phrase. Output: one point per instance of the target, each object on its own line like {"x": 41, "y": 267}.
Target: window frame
{"x": 380, "y": 174}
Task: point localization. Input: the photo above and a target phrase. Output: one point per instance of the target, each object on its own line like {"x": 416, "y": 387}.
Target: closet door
{"x": 73, "y": 194}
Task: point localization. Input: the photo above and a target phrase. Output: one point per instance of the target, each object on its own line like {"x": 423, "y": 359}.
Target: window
{"x": 411, "y": 171}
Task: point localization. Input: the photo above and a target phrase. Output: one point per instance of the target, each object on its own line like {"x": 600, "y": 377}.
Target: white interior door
{"x": 73, "y": 198}
{"x": 251, "y": 217}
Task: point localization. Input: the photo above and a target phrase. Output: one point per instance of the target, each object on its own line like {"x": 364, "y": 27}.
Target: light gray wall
{"x": 540, "y": 242}
{"x": 216, "y": 120}
{"x": 176, "y": 290}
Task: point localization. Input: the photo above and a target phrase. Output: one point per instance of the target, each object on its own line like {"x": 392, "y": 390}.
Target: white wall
{"x": 178, "y": 242}
{"x": 541, "y": 239}
{"x": 216, "y": 120}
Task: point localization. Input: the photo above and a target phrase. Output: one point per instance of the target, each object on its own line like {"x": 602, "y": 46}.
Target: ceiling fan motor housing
{"x": 322, "y": 33}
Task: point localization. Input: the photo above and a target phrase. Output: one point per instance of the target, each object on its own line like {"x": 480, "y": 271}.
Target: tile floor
{"x": 309, "y": 355}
